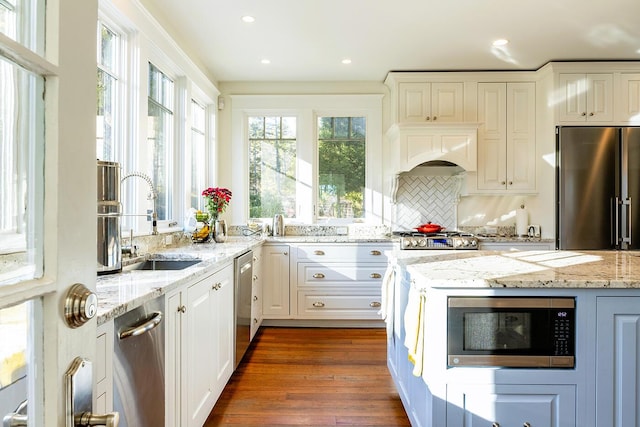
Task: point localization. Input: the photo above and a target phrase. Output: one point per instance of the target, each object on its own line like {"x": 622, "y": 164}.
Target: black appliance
{"x": 597, "y": 178}
{"x": 518, "y": 332}
{"x": 439, "y": 240}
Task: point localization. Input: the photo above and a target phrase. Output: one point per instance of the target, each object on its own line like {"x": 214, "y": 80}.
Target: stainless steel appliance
{"x": 109, "y": 213}
{"x": 138, "y": 368}
{"x": 278, "y": 225}
{"x": 518, "y": 332}
{"x": 598, "y": 178}
{"x": 243, "y": 279}
{"x": 440, "y": 240}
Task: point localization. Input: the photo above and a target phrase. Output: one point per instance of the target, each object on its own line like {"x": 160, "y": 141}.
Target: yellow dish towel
{"x": 414, "y": 327}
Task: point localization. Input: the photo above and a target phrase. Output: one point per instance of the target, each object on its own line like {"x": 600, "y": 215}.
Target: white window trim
{"x": 306, "y": 108}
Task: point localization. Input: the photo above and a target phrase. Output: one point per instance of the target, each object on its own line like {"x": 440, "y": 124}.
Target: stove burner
{"x": 440, "y": 240}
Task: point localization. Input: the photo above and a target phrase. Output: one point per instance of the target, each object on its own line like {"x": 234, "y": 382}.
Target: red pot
{"x": 429, "y": 228}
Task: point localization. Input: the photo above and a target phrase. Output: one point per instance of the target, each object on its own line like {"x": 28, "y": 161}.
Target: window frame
{"x": 307, "y": 109}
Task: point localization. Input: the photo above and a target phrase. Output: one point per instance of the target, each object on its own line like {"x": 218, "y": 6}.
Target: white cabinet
{"x": 200, "y": 347}
{"x": 617, "y": 362}
{"x": 629, "y": 99}
{"x": 275, "y": 284}
{"x": 509, "y": 405}
{"x": 256, "y": 291}
{"x": 339, "y": 281}
{"x": 506, "y": 138}
{"x": 103, "y": 369}
{"x": 585, "y": 97}
{"x": 420, "y": 102}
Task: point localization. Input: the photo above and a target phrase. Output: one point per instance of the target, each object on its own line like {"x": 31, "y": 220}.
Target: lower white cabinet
{"x": 275, "y": 284}
{"x": 617, "y": 361}
{"x": 200, "y": 328}
{"x": 506, "y": 405}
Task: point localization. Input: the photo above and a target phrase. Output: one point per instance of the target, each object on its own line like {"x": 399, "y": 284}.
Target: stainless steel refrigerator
{"x": 598, "y": 188}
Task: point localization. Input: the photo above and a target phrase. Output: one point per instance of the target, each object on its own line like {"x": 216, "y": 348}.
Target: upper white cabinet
{"x": 420, "y": 102}
{"x": 629, "y": 105}
{"x": 506, "y": 137}
{"x": 585, "y": 97}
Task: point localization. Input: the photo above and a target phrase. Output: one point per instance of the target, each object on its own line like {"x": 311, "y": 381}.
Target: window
{"x": 160, "y": 137}
{"x": 198, "y": 153}
{"x": 272, "y": 166}
{"x": 23, "y": 22}
{"x": 109, "y": 56}
{"x": 341, "y": 167}
{"x": 21, "y": 173}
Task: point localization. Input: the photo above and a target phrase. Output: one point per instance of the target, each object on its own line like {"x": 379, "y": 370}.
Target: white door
{"x": 55, "y": 247}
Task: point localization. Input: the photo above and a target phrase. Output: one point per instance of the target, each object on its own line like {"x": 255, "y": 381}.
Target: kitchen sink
{"x": 164, "y": 264}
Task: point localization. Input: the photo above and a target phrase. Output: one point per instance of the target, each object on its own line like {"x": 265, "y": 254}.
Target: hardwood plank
{"x": 312, "y": 377}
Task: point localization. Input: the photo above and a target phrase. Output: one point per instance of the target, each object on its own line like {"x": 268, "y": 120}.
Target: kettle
{"x": 278, "y": 225}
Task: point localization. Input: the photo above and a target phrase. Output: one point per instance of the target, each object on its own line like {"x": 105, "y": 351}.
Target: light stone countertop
{"x": 522, "y": 269}
{"x": 121, "y": 292}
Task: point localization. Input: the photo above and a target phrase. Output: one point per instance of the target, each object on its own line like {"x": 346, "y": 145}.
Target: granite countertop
{"x": 524, "y": 269}
{"x": 122, "y": 292}
{"x": 331, "y": 239}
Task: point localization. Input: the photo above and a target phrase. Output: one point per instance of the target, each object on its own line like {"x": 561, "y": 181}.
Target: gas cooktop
{"x": 441, "y": 240}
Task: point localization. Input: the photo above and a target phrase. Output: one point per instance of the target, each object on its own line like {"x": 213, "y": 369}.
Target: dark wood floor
{"x": 312, "y": 377}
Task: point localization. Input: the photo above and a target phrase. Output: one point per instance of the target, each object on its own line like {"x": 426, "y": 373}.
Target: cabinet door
{"x": 630, "y": 98}
{"x": 223, "y": 326}
{"x": 256, "y": 292}
{"x": 511, "y": 405}
{"x": 585, "y": 97}
{"x": 521, "y": 136}
{"x": 175, "y": 382}
{"x": 414, "y": 102}
{"x": 447, "y": 102}
{"x": 275, "y": 291}
{"x": 200, "y": 353}
{"x": 492, "y": 138}
{"x": 617, "y": 361}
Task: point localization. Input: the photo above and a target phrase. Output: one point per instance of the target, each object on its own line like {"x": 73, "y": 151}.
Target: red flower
{"x": 217, "y": 200}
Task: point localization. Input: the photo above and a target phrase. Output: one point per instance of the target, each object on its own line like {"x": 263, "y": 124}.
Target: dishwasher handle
{"x": 148, "y": 325}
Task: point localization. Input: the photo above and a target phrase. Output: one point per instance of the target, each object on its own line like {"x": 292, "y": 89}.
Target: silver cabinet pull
{"x": 255, "y": 320}
{"x": 318, "y": 304}
{"x": 318, "y": 276}
{"x": 255, "y": 277}
{"x": 495, "y": 425}
{"x": 217, "y": 286}
{"x": 285, "y": 253}
{"x": 89, "y": 419}
{"x": 182, "y": 309}
{"x": 584, "y": 113}
{"x": 375, "y": 276}
{"x": 526, "y": 424}
{"x": 255, "y": 298}
{"x": 318, "y": 252}
{"x": 148, "y": 325}
{"x": 375, "y": 253}
{"x": 375, "y": 304}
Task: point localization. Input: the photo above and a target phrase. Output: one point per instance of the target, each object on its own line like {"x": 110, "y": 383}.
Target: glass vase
{"x": 219, "y": 229}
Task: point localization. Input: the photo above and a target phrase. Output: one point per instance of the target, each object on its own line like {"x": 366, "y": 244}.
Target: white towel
{"x": 414, "y": 327}
{"x": 387, "y": 295}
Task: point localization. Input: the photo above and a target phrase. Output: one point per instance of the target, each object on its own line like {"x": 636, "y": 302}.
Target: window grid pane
{"x": 197, "y": 155}
{"x": 272, "y": 165}
{"x": 341, "y": 167}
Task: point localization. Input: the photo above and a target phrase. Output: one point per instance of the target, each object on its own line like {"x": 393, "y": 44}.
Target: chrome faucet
{"x": 153, "y": 195}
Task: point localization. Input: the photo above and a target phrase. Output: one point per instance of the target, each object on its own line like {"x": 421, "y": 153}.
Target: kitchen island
{"x": 600, "y": 390}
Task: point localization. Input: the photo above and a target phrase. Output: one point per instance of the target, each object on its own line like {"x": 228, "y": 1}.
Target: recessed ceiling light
{"x": 248, "y": 19}
{"x": 346, "y": 61}
{"x": 265, "y": 61}
{"x": 500, "y": 42}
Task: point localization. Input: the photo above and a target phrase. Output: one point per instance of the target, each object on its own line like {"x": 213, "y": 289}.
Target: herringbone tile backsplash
{"x": 422, "y": 199}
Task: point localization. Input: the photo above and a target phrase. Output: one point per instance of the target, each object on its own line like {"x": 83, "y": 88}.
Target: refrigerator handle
{"x": 616, "y": 216}
{"x": 629, "y": 222}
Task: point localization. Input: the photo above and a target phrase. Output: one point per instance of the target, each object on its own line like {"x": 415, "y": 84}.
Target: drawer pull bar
{"x": 318, "y": 304}
{"x": 375, "y": 304}
{"x": 318, "y": 252}
{"x": 318, "y": 276}
{"x": 375, "y": 253}
{"x": 375, "y": 275}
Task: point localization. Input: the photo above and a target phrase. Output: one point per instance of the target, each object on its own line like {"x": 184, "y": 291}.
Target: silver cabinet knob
{"x": 591, "y": 114}
{"x": 80, "y": 305}
{"x": 526, "y": 424}
{"x": 495, "y": 425}
{"x": 375, "y": 304}
{"x": 375, "y": 253}
{"x": 375, "y": 275}
{"x": 318, "y": 304}
{"x": 182, "y": 309}
{"x": 584, "y": 113}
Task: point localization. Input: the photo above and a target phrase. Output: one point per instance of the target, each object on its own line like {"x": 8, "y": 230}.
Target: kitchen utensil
{"x": 429, "y": 228}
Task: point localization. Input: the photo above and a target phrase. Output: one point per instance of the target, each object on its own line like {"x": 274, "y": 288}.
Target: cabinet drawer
{"x": 314, "y": 274}
{"x": 343, "y": 253}
{"x": 320, "y": 305}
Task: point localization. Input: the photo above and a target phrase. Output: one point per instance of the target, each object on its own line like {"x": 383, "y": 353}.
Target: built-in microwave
{"x": 518, "y": 332}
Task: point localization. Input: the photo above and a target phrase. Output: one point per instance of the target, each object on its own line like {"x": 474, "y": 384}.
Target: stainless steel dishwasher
{"x": 138, "y": 367}
{"x": 243, "y": 280}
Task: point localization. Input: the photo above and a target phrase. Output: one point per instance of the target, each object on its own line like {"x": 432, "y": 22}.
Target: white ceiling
{"x": 306, "y": 40}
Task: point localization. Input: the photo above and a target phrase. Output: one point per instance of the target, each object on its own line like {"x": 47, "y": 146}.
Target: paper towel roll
{"x": 522, "y": 220}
